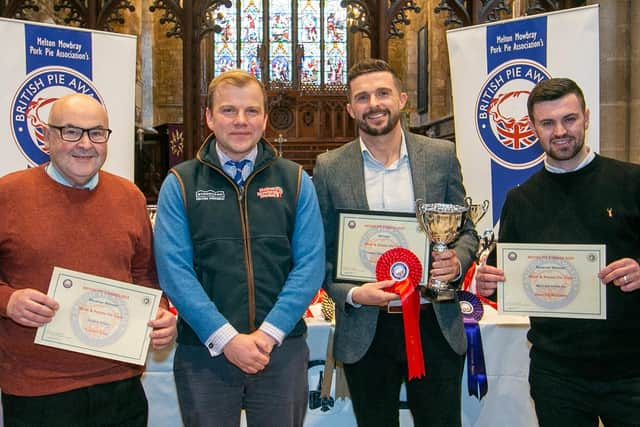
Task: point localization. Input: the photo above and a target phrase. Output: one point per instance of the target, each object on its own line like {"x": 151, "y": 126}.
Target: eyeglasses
{"x": 74, "y": 134}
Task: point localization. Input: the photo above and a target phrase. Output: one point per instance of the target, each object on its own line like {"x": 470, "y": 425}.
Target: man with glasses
{"x": 68, "y": 213}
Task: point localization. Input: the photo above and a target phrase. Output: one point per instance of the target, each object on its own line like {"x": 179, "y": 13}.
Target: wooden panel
{"x": 303, "y": 125}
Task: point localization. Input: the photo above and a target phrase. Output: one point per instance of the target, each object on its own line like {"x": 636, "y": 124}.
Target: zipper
{"x": 244, "y": 221}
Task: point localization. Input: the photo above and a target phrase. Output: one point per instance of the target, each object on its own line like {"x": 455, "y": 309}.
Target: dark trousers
{"x": 562, "y": 401}
{"x": 212, "y": 391}
{"x": 120, "y": 403}
{"x": 375, "y": 380}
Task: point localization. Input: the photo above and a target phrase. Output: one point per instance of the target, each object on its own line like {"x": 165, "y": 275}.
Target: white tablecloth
{"x": 507, "y": 361}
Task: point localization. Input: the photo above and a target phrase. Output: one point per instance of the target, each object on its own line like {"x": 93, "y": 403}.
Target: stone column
{"x": 634, "y": 78}
{"x": 615, "y": 77}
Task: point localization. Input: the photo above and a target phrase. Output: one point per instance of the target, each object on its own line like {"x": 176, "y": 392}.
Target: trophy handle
{"x": 487, "y": 244}
{"x": 420, "y": 216}
{"x": 468, "y": 202}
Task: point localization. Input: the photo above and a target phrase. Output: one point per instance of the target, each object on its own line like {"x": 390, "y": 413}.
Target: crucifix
{"x": 280, "y": 140}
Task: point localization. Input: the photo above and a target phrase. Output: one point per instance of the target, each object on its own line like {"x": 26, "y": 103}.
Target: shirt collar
{"x": 55, "y": 174}
{"x": 588, "y": 159}
{"x": 404, "y": 155}
{"x": 251, "y": 156}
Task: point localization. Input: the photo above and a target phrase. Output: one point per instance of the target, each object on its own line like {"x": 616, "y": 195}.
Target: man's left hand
{"x": 624, "y": 273}
{"x": 164, "y": 329}
{"x": 264, "y": 341}
{"x": 445, "y": 266}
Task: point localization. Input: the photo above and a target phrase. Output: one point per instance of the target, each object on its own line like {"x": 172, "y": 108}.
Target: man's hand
{"x": 164, "y": 329}
{"x": 374, "y": 293}
{"x": 245, "y": 352}
{"x": 624, "y": 273}
{"x": 487, "y": 278}
{"x": 32, "y": 308}
{"x": 445, "y": 266}
{"x": 264, "y": 341}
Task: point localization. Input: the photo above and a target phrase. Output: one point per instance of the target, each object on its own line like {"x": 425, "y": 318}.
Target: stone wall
{"x": 403, "y": 56}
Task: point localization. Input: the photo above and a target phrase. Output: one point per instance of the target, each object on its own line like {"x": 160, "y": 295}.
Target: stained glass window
{"x": 335, "y": 43}
{"x": 303, "y": 39}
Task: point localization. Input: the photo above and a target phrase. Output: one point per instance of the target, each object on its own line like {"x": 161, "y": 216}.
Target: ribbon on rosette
{"x": 405, "y": 268}
{"x": 472, "y": 312}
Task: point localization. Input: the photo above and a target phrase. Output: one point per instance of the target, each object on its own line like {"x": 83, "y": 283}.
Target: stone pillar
{"x": 146, "y": 67}
{"x": 615, "y": 77}
{"x": 634, "y": 78}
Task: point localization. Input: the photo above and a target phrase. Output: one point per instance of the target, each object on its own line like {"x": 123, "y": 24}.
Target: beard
{"x": 569, "y": 153}
{"x": 369, "y": 130}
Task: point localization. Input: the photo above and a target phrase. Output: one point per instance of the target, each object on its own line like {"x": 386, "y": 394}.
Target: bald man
{"x": 68, "y": 213}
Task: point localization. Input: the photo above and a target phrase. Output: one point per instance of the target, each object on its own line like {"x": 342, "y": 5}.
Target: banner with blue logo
{"x": 493, "y": 69}
{"x": 42, "y": 63}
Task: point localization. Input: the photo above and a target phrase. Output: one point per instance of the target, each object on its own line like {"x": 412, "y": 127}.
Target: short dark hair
{"x": 552, "y": 89}
{"x": 372, "y": 65}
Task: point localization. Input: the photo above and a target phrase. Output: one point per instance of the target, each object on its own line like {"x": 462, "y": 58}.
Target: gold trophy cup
{"x": 442, "y": 223}
{"x": 476, "y": 212}
{"x": 487, "y": 241}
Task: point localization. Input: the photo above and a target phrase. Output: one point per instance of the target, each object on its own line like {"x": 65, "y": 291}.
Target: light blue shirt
{"x": 55, "y": 174}
{"x": 231, "y": 170}
{"x": 389, "y": 188}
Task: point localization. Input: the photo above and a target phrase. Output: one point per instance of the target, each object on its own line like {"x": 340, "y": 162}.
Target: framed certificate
{"x": 100, "y": 317}
{"x": 552, "y": 280}
{"x": 365, "y": 235}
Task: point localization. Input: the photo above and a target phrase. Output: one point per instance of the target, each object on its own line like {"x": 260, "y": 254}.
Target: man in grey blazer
{"x": 386, "y": 169}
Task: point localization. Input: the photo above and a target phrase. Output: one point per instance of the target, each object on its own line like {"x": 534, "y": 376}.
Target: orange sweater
{"x": 43, "y": 224}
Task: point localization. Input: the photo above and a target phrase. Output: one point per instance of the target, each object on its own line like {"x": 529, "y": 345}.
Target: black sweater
{"x": 598, "y": 204}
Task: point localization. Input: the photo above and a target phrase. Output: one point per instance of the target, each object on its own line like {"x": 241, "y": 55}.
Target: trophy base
{"x": 435, "y": 294}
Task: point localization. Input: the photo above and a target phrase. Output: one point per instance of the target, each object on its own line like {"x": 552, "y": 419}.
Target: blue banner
{"x": 516, "y": 61}
{"x": 49, "y": 46}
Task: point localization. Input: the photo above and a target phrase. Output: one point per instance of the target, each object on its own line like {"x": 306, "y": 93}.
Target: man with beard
{"x": 387, "y": 169}
{"x": 581, "y": 370}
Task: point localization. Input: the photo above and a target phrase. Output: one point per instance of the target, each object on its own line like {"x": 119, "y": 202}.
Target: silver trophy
{"x": 442, "y": 223}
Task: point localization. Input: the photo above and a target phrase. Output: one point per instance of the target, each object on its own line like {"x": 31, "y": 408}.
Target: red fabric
{"x": 410, "y": 298}
{"x": 411, "y": 320}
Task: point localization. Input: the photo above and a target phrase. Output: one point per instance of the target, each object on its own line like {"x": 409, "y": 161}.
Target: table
{"x": 507, "y": 361}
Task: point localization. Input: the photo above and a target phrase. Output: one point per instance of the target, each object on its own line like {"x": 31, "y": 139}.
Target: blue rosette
{"x": 472, "y": 312}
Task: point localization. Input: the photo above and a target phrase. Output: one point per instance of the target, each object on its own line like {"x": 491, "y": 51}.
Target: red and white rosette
{"x": 405, "y": 268}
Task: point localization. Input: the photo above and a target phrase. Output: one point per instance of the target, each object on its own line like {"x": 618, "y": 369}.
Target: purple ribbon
{"x": 472, "y": 312}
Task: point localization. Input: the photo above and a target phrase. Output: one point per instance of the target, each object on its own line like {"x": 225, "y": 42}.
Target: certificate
{"x": 100, "y": 317}
{"x": 365, "y": 235}
{"x": 552, "y": 280}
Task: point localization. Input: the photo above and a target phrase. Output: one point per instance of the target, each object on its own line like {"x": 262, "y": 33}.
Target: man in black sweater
{"x": 581, "y": 370}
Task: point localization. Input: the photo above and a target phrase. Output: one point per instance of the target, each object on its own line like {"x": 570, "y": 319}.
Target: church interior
{"x": 301, "y": 50}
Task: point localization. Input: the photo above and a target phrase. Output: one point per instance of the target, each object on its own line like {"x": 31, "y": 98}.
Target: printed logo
{"x": 501, "y": 114}
{"x": 210, "y": 195}
{"x": 31, "y": 104}
{"x": 399, "y": 271}
{"x": 270, "y": 193}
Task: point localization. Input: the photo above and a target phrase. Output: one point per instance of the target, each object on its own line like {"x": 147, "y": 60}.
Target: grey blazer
{"x": 339, "y": 180}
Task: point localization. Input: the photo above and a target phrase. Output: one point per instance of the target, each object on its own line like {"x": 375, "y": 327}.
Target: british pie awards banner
{"x": 42, "y": 63}
{"x": 493, "y": 69}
